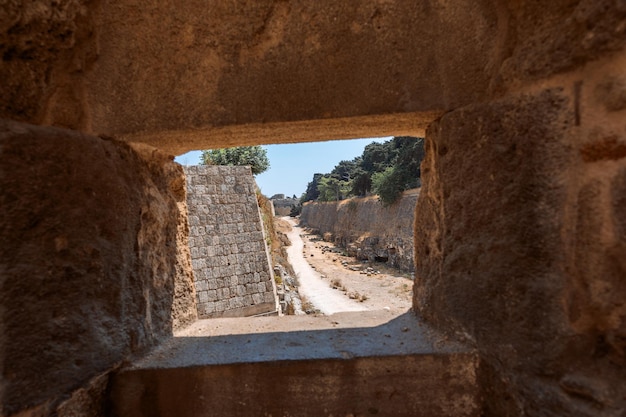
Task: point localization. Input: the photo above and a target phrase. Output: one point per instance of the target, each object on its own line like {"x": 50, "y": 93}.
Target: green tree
{"x": 361, "y": 183}
{"x": 254, "y": 156}
{"x": 408, "y": 162}
{"x": 332, "y": 188}
{"x": 312, "y": 193}
{"x": 387, "y": 185}
{"x": 379, "y": 156}
{"x": 403, "y": 174}
{"x": 385, "y": 168}
{"x": 345, "y": 170}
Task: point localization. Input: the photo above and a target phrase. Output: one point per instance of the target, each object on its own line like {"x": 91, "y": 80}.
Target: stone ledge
{"x": 260, "y": 339}
{"x": 346, "y": 364}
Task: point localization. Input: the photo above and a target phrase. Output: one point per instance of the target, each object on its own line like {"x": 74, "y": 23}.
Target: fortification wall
{"x": 367, "y": 228}
{"x": 92, "y": 260}
{"x": 231, "y": 267}
{"x": 521, "y": 236}
{"x": 283, "y": 206}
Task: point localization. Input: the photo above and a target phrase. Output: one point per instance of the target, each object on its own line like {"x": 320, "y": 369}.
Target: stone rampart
{"x": 94, "y": 265}
{"x": 367, "y": 228}
{"x": 283, "y": 206}
{"x": 230, "y": 262}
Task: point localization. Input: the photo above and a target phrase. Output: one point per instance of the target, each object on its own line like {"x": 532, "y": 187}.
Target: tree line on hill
{"x": 385, "y": 169}
{"x": 254, "y": 156}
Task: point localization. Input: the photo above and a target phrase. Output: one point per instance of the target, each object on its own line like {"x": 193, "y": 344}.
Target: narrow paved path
{"x": 324, "y": 298}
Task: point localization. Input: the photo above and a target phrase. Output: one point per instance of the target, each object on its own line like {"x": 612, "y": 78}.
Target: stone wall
{"x": 520, "y": 237}
{"x": 520, "y": 227}
{"x": 282, "y": 206}
{"x": 91, "y": 261}
{"x": 228, "y": 251}
{"x": 150, "y": 70}
{"x": 367, "y": 228}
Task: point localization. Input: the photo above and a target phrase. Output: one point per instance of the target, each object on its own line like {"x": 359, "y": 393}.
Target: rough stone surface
{"x": 88, "y": 259}
{"x": 366, "y": 228}
{"x": 341, "y": 365}
{"x": 518, "y": 245}
{"x": 46, "y": 48}
{"x": 269, "y": 61}
{"x": 133, "y": 66}
{"x": 538, "y": 40}
{"x": 282, "y": 206}
{"x": 230, "y": 259}
{"x": 520, "y": 241}
{"x": 184, "y": 306}
{"x": 391, "y": 386}
{"x": 88, "y": 401}
{"x": 137, "y": 66}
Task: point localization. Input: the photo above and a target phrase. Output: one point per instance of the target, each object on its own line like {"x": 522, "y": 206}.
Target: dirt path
{"x": 334, "y": 282}
{"x": 316, "y": 291}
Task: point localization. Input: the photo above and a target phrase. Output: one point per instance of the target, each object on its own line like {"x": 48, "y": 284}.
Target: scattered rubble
{"x": 288, "y": 295}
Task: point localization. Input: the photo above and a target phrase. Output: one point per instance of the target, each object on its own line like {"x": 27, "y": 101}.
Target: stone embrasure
{"x": 230, "y": 261}
{"x": 365, "y": 363}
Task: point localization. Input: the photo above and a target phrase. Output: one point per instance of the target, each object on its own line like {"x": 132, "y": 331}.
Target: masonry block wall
{"x": 367, "y": 228}
{"x": 230, "y": 261}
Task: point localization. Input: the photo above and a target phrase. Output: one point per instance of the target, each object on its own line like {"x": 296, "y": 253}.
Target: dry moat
{"x": 357, "y": 285}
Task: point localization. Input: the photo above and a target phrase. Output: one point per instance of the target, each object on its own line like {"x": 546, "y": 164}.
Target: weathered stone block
{"x": 515, "y": 248}
{"x": 94, "y": 260}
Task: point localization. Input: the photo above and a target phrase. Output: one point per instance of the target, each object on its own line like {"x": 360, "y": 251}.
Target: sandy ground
{"x": 311, "y": 285}
{"x": 327, "y": 276}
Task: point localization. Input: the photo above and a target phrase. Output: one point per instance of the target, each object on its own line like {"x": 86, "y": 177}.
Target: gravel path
{"x": 317, "y": 291}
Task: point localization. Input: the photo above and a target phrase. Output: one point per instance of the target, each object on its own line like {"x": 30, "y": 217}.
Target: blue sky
{"x": 292, "y": 166}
